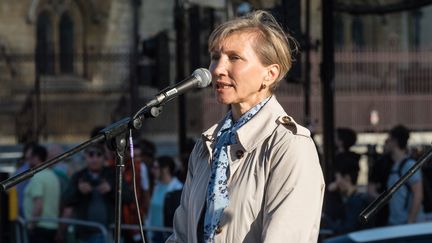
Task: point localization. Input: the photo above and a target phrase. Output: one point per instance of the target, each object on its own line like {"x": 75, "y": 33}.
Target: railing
{"x": 21, "y": 234}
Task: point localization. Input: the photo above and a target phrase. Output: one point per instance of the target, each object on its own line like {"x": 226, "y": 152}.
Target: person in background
{"x": 108, "y": 154}
{"x": 255, "y": 175}
{"x": 90, "y": 195}
{"x": 23, "y": 165}
{"x": 354, "y": 202}
{"x": 345, "y": 139}
{"x": 406, "y": 203}
{"x": 379, "y": 171}
{"x": 333, "y": 201}
{"x": 60, "y": 168}
{"x": 41, "y": 199}
{"x": 142, "y": 192}
{"x": 181, "y": 173}
{"x": 147, "y": 152}
{"x": 163, "y": 171}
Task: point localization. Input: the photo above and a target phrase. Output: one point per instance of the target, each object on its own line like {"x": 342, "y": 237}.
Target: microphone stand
{"x": 115, "y": 137}
{"x": 385, "y": 196}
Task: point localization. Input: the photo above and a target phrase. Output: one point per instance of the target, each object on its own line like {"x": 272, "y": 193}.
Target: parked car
{"x": 408, "y": 233}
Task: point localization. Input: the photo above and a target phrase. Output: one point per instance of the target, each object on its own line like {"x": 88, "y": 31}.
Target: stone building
{"x": 67, "y": 66}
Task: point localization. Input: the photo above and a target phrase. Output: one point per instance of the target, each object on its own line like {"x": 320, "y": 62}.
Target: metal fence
{"x": 21, "y": 234}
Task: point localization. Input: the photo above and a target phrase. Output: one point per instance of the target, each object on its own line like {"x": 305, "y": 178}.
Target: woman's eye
{"x": 234, "y": 57}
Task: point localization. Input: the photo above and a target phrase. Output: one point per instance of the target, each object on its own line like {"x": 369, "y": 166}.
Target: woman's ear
{"x": 273, "y": 71}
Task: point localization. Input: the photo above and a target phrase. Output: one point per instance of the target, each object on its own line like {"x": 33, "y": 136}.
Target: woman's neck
{"x": 239, "y": 109}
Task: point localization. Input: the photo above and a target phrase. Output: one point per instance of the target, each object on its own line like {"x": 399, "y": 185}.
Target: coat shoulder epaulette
{"x": 291, "y": 125}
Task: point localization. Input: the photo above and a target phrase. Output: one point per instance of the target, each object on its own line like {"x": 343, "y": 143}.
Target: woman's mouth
{"x": 223, "y": 86}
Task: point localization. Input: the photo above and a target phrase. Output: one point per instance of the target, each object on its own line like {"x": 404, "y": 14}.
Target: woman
{"x": 254, "y": 176}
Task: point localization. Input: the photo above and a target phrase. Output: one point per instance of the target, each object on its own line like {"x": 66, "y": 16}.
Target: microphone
{"x": 200, "y": 78}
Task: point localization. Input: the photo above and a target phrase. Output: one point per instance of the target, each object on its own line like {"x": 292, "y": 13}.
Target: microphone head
{"x": 203, "y": 76}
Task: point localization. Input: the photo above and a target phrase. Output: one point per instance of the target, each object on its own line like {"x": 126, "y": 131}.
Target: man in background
{"x": 41, "y": 199}
{"x": 406, "y": 204}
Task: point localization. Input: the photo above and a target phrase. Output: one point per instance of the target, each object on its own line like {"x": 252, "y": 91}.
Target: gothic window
{"x": 66, "y": 31}
{"x": 44, "y": 45}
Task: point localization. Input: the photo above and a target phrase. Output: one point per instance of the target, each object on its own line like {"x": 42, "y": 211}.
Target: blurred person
{"x": 23, "y": 165}
{"x": 184, "y": 159}
{"x": 379, "y": 170}
{"x": 60, "y": 168}
{"x": 108, "y": 153}
{"x": 426, "y": 169}
{"x": 147, "y": 152}
{"x": 406, "y": 203}
{"x": 255, "y": 175}
{"x": 41, "y": 199}
{"x": 344, "y": 140}
{"x": 333, "y": 200}
{"x": 353, "y": 201}
{"x": 172, "y": 199}
{"x": 143, "y": 195}
{"x": 163, "y": 171}
{"x": 90, "y": 195}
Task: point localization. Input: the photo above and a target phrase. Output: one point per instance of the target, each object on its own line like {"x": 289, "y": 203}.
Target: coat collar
{"x": 255, "y": 130}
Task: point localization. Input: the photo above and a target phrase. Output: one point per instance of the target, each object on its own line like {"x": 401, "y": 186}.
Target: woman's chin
{"x": 223, "y": 100}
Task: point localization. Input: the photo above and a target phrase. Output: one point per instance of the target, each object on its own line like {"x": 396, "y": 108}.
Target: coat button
{"x": 239, "y": 154}
{"x": 218, "y": 230}
{"x": 286, "y": 120}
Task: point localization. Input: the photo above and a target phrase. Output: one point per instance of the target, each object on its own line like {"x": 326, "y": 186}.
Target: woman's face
{"x": 237, "y": 71}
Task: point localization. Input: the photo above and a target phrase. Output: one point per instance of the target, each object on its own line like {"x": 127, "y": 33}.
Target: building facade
{"x": 67, "y": 66}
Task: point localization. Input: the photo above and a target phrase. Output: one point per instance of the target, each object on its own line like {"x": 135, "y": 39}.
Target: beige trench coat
{"x": 275, "y": 184}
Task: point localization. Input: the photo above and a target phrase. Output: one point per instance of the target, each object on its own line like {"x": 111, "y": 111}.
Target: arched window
{"x": 44, "y": 45}
{"x": 66, "y": 43}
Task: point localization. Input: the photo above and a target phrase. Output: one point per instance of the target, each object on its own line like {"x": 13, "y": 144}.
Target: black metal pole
{"x": 307, "y": 82}
{"x": 37, "y": 108}
{"x": 181, "y": 44}
{"x": 133, "y": 79}
{"x": 120, "y": 148}
{"x": 327, "y": 79}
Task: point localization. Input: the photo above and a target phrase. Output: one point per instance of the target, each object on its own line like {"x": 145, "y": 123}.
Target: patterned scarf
{"x": 217, "y": 191}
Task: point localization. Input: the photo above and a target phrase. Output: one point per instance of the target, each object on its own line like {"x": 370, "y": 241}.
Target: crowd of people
{"x": 87, "y": 192}
{"x": 411, "y": 203}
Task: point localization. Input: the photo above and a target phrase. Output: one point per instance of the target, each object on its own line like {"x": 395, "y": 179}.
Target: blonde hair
{"x": 272, "y": 44}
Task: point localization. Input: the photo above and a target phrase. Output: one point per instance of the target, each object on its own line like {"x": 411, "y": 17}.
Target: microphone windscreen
{"x": 204, "y": 77}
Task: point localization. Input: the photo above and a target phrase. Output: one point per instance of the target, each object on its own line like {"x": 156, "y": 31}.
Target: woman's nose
{"x": 217, "y": 67}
